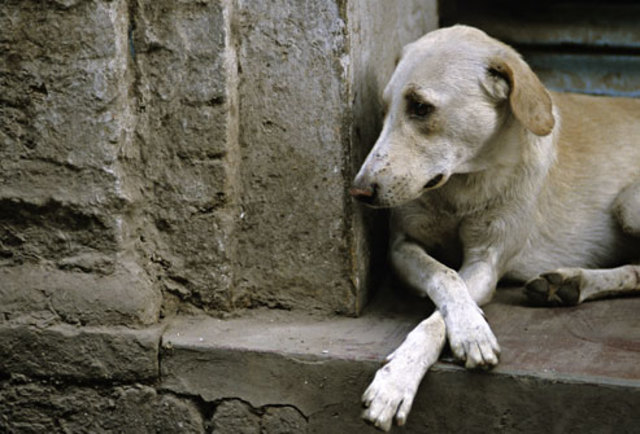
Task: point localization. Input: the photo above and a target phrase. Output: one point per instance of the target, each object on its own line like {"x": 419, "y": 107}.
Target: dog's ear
{"x": 530, "y": 102}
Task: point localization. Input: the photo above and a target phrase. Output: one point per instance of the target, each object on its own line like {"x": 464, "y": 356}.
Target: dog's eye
{"x": 419, "y": 109}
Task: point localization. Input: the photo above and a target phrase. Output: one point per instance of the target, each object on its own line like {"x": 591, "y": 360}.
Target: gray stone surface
{"x": 233, "y": 416}
{"x": 283, "y": 420}
{"x": 571, "y": 369}
{"x": 78, "y": 297}
{"x": 66, "y": 201}
{"x": 209, "y": 144}
{"x": 41, "y": 407}
{"x": 293, "y": 102}
{"x": 377, "y": 32}
{"x": 79, "y": 353}
{"x": 186, "y": 134}
{"x": 306, "y": 120}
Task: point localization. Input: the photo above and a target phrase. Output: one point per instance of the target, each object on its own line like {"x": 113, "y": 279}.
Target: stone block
{"x": 293, "y": 100}
{"x": 37, "y": 407}
{"x": 283, "y": 420}
{"x": 301, "y": 66}
{"x": 64, "y": 123}
{"x": 277, "y": 359}
{"x": 142, "y": 409}
{"x": 84, "y": 354}
{"x": 233, "y": 416}
{"x": 67, "y": 202}
{"x": 77, "y": 297}
{"x": 185, "y": 74}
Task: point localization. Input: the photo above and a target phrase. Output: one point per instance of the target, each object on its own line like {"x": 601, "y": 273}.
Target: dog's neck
{"x": 513, "y": 167}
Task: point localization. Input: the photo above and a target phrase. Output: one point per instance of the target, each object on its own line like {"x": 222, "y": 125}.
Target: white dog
{"x": 491, "y": 175}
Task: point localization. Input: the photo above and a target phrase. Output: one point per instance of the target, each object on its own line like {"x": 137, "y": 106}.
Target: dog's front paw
{"x": 394, "y": 386}
{"x": 471, "y": 338}
{"x": 391, "y": 394}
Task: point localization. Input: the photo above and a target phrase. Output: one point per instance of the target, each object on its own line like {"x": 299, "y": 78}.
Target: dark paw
{"x": 554, "y": 289}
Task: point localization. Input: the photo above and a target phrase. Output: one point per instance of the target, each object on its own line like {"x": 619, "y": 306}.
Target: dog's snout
{"x": 364, "y": 194}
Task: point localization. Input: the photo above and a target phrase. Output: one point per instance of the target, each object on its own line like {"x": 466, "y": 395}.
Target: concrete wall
{"x": 68, "y": 202}
{"x": 158, "y": 155}
{"x": 307, "y": 117}
{"x": 185, "y": 93}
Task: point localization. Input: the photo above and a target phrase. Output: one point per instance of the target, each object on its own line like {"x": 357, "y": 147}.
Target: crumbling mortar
{"x": 259, "y": 411}
{"x": 159, "y": 353}
{"x": 233, "y": 155}
{"x": 65, "y": 383}
{"x": 213, "y": 102}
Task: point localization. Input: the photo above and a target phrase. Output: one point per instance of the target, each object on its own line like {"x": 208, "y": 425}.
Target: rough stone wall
{"x": 185, "y": 90}
{"x": 115, "y": 170}
{"x": 67, "y": 204}
{"x": 293, "y": 241}
{"x": 28, "y": 406}
{"x": 162, "y": 154}
{"x": 310, "y": 75}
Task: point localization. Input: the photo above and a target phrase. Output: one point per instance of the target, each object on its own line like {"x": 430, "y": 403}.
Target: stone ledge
{"x": 571, "y": 369}
{"x": 568, "y": 369}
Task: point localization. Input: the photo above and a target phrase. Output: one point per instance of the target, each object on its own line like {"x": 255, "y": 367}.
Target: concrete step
{"x": 562, "y": 369}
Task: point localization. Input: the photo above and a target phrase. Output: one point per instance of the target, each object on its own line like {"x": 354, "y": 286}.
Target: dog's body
{"x": 489, "y": 174}
{"x": 569, "y": 219}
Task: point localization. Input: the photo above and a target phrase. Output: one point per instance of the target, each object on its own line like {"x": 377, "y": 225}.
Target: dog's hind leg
{"x": 570, "y": 286}
{"x": 626, "y": 208}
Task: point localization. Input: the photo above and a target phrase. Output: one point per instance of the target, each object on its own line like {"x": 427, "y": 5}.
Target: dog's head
{"x": 451, "y": 93}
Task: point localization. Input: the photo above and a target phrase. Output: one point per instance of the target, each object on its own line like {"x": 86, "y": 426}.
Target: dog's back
{"x": 597, "y": 156}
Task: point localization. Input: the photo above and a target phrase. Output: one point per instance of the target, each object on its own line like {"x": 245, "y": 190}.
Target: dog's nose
{"x": 364, "y": 194}
{"x": 436, "y": 181}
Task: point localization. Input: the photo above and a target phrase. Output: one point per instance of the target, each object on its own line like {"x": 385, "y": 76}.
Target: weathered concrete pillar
{"x": 310, "y": 75}
{"x": 378, "y": 31}
{"x": 66, "y": 200}
{"x": 186, "y": 90}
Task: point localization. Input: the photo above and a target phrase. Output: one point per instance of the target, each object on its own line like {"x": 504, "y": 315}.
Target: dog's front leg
{"x": 393, "y": 389}
{"x": 470, "y": 337}
{"x": 395, "y": 385}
